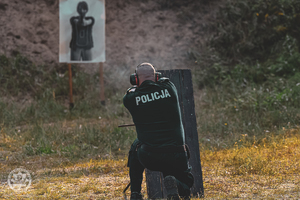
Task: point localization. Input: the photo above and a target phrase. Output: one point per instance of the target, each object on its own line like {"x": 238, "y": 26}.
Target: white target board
{"x": 82, "y": 31}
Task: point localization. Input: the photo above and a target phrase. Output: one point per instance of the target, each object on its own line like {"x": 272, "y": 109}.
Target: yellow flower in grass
{"x": 257, "y": 14}
{"x": 281, "y": 28}
{"x": 280, "y": 13}
{"x": 267, "y": 15}
{"x": 225, "y": 124}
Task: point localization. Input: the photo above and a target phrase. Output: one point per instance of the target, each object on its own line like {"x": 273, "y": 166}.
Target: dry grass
{"x": 264, "y": 169}
{"x": 93, "y": 179}
{"x": 269, "y": 168}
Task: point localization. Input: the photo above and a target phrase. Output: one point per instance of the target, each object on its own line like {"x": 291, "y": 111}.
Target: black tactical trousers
{"x": 173, "y": 164}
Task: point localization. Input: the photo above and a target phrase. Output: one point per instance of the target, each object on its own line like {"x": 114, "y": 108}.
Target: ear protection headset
{"x": 134, "y": 79}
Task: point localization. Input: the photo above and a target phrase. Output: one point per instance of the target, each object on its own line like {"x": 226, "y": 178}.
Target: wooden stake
{"x": 102, "y": 96}
{"x": 71, "y": 86}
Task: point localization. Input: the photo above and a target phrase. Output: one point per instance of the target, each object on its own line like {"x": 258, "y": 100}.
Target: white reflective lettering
{"x": 137, "y": 100}
{"x": 144, "y": 99}
{"x": 148, "y": 98}
{"x": 167, "y": 93}
{"x": 156, "y": 95}
{"x": 152, "y": 96}
{"x": 163, "y": 94}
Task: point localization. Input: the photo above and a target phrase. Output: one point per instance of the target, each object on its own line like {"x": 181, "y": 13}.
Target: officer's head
{"x": 145, "y": 71}
{"x": 82, "y": 8}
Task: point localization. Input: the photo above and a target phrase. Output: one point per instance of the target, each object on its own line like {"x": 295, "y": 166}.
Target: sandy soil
{"x": 161, "y": 32}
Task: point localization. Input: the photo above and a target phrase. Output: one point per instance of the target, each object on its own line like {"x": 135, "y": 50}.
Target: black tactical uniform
{"x": 160, "y": 136}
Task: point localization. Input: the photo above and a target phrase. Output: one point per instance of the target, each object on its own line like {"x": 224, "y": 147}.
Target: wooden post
{"x": 102, "y": 96}
{"x": 182, "y": 79}
{"x": 154, "y": 184}
{"x": 71, "y": 87}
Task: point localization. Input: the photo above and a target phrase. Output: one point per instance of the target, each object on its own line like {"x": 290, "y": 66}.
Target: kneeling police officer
{"x": 160, "y": 144}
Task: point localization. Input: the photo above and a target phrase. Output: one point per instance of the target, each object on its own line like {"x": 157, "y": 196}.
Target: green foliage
{"x": 33, "y": 98}
{"x": 76, "y": 141}
{"x": 31, "y": 93}
{"x": 228, "y": 111}
{"x": 216, "y": 70}
{"x": 20, "y": 77}
{"x": 247, "y": 31}
{"x": 254, "y": 42}
{"x": 250, "y": 73}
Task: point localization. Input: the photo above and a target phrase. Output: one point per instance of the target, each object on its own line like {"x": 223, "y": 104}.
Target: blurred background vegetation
{"x": 249, "y": 71}
{"x": 246, "y": 83}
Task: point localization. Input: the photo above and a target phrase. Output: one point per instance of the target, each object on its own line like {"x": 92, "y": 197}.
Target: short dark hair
{"x": 82, "y": 4}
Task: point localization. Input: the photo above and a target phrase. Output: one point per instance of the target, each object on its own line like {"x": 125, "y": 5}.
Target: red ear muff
{"x": 134, "y": 80}
{"x": 157, "y": 76}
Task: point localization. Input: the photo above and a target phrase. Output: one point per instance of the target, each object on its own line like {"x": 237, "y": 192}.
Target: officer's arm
{"x": 166, "y": 81}
{"x": 128, "y": 96}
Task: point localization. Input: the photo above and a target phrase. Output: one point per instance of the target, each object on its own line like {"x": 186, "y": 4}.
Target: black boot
{"x": 185, "y": 198}
{"x": 136, "y": 196}
{"x": 171, "y": 187}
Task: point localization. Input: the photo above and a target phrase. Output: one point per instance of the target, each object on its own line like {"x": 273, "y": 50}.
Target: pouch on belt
{"x": 133, "y": 151}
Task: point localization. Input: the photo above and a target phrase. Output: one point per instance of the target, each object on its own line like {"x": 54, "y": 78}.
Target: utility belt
{"x": 170, "y": 149}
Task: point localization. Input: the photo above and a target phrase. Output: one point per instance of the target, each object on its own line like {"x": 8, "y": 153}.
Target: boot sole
{"x": 171, "y": 187}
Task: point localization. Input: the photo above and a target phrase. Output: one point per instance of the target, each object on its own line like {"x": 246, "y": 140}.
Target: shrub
{"x": 248, "y": 31}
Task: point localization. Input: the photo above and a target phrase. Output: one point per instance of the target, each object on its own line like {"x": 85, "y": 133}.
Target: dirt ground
{"x": 162, "y": 32}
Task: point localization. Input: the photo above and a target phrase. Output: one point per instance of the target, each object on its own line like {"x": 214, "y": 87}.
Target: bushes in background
{"x": 254, "y": 41}
{"x": 250, "y": 31}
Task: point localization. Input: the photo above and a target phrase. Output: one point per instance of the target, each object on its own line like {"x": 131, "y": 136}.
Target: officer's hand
{"x": 132, "y": 89}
